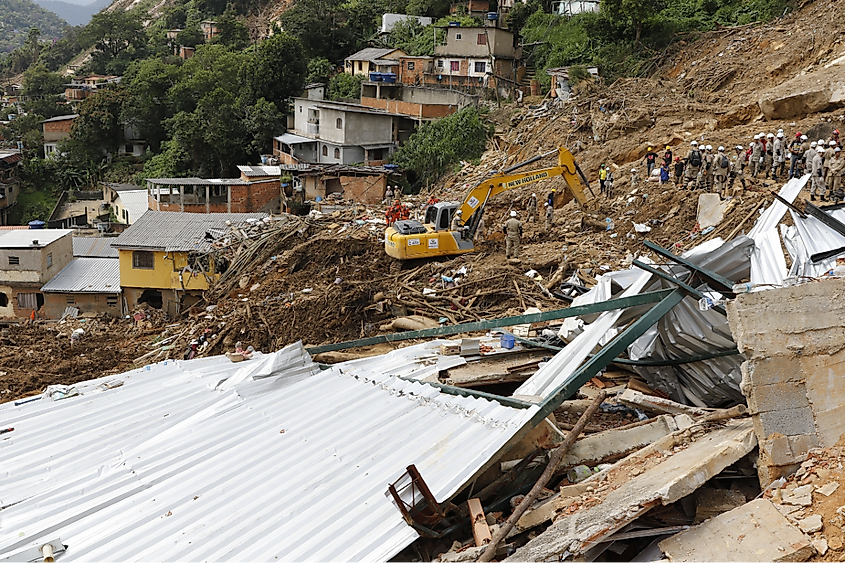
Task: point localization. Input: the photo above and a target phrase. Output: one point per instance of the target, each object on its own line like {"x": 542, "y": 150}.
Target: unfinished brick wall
{"x": 364, "y": 189}
{"x": 794, "y": 373}
{"x": 244, "y": 199}
{"x": 415, "y": 75}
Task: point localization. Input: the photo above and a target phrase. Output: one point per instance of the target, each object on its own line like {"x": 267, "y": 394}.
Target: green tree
{"x": 232, "y": 32}
{"x": 38, "y": 81}
{"x": 343, "y": 86}
{"x": 437, "y": 145}
{"x": 319, "y": 70}
{"x": 117, "y": 37}
{"x": 320, "y": 27}
{"x": 148, "y": 83}
{"x": 209, "y": 68}
{"x": 637, "y": 12}
{"x": 191, "y": 36}
{"x": 100, "y": 123}
{"x": 275, "y": 71}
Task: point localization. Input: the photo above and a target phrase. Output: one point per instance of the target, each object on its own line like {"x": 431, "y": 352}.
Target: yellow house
{"x": 166, "y": 259}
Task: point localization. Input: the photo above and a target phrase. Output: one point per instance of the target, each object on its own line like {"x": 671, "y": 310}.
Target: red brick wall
{"x": 364, "y": 189}
{"x": 244, "y": 199}
{"x": 412, "y": 76}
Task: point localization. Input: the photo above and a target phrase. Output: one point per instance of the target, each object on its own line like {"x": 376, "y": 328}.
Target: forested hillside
{"x": 17, "y": 17}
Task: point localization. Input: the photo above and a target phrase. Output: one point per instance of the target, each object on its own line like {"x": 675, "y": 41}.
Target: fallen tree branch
{"x": 555, "y": 459}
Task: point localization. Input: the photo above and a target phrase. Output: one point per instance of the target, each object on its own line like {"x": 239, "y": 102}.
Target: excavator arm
{"x": 566, "y": 167}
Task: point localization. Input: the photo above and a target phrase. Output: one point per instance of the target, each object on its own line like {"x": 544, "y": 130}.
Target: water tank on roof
{"x": 454, "y": 24}
{"x": 36, "y": 224}
{"x": 492, "y": 16}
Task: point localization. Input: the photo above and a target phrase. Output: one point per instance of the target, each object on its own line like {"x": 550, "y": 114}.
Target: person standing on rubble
{"x": 836, "y": 167}
{"x": 778, "y": 156}
{"x": 664, "y": 173}
{"x": 828, "y": 156}
{"x": 679, "y": 172}
{"x": 481, "y": 231}
{"x": 388, "y": 194}
{"x": 602, "y": 177}
{"x": 768, "y": 154}
{"x": 706, "y": 182}
{"x": 694, "y": 161}
{"x": 550, "y": 213}
{"x": 721, "y": 164}
{"x": 635, "y": 178}
{"x": 513, "y": 232}
{"x": 756, "y": 159}
{"x": 738, "y": 166}
{"x": 531, "y": 208}
{"x": 795, "y": 155}
{"x": 809, "y": 155}
{"x": 667, "y": 156}
{"x": 551, "y": 198}
{"x": 817, "y": 171}
{"x": 650, "y": 159}
{"x": 608, "y": 186}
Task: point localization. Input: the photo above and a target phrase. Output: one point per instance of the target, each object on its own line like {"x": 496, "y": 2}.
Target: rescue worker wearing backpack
{"x": 694, "y": 160}
{"x": 795, "y": 155}
{"x": 756, "y": 159}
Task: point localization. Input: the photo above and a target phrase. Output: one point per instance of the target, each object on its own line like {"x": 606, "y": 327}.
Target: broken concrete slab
{"x": 711, "y": 210}
{"x": 670, "y": 469}
{"x": 753, "y": 532}
{"x": 811, "y": 524}
{"x": 711, "y": 502}
{"x": 828, "y": 489}
{"x": 615, "y": 443}
{"x": 795, "y": 362}
{"x": 657, "y": 404}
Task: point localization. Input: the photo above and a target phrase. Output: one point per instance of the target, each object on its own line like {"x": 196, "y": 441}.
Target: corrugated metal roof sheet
{"x": 137, "y": 202}
{"x": 370, "y": 54}
{"x": 86, "y": 275}
{"x": 279, "y": 462}
{"x": 61, "y": 118}
{"x": 179, "y": 232}
{"x": 25, "y": 238}
{"x": 10, "y": 156}
{"x": 94, "y": 247}
{"x": 196, "y": 182}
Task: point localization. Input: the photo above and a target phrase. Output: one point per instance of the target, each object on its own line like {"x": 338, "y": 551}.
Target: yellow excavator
{"x": 410, "y": 239}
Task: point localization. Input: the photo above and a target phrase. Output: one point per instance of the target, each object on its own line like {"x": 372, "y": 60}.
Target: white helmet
{"x": 820, "y": 142}
{"x": 721, "y": 149}
{"x": 820, "y": 149}
{"x": 694, "y": 143}
{"x": 751, "y": 145}
{"x": 832, "y": 143}
{"x": 513, "y": 213}
{"x": 739, "y": 147}
{"x": 709, "y": 147}
{"x": 780, "y": 134}
{"x": 813, "y": 145}
{"x": 803, "y": 137}
{"x": 459, "y": 212}
{"x": 770, "y": 136}
{"x": 780, "y": 131}
{"x": 837, "y": 149}
{"x": 756, "y": 137}
{"x": 533, "y": 195}
{"x": 762, "y": 135}
{"x": 546, "y": 204}
{"x": 633, "y": 169}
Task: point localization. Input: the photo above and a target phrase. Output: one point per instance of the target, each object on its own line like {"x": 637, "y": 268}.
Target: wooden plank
{"x": 480, "y": 529}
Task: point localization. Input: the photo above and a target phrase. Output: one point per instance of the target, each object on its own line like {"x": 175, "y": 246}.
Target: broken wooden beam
{"x": 480, "y": 529}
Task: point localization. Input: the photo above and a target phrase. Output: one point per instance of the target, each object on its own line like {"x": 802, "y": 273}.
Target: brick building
{"x": 219, "y": 195}
{"x": 56, "y": 130}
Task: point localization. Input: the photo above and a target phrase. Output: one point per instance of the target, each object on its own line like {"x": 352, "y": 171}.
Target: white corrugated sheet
{"x": 264, "y": 460}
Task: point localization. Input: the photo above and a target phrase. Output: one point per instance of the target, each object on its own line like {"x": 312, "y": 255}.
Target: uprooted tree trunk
{"x": 554, "y": 461}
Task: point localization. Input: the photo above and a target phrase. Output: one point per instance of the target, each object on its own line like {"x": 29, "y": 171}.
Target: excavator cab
{"x": 440, "y": 215}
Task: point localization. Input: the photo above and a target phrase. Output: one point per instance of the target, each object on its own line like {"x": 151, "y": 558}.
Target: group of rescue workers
{"x": 717, "y": 170}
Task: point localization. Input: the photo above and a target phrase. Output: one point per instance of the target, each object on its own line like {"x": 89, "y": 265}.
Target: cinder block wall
{"x": 794, "y": 374}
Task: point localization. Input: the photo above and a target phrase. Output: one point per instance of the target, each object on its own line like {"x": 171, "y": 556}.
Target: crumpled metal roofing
{"x": 265, "y": 460}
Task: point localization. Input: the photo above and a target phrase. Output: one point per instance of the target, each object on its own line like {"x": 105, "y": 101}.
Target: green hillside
{"x": 17, "y": 17}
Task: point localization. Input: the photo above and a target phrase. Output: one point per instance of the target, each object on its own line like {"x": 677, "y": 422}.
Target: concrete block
{"x": 768, "y": 371}
{"x": 789, "y": 422}
{"x": 753, "y": 532}
{"x": 776, "y": 397}
{"x": 830, "y": 425}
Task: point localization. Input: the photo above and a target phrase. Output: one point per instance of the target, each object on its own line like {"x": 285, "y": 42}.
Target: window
{"x": 360, "y": 66}
{"x": 300, "y": 109}
{"x": 143, "y": 260}
{"x": 337, "y": 153}
{"x": 480, "y": 67}
{"x": 70, "y": 300}
{"x": 339, "y": 123}
{"x": 129, "y": 148}
{"x": 4, "y": 300}
{"x": 440, "y": 63}
{"x": 49, "y": 259}
{"x": 111, "y": 300}
{"x": 14, "y": 260}
{"x": 458, "y": 37}
{"x": 325, "y": 150}
{"x": 29, "y": 300}
{"x": 482, "y": 39}
{"x": 410, "y": 65}
{"x": 455, "y": 66}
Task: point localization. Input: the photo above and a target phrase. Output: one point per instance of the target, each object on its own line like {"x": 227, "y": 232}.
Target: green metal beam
{"x": 686, "y": 288}
{"x": 718, "y": 282}
{"x": 451, "y": 390}
{"x": 610, "y": 305}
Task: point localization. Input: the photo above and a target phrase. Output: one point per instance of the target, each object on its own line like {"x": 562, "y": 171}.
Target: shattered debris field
{"x": 657, "y": 376}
